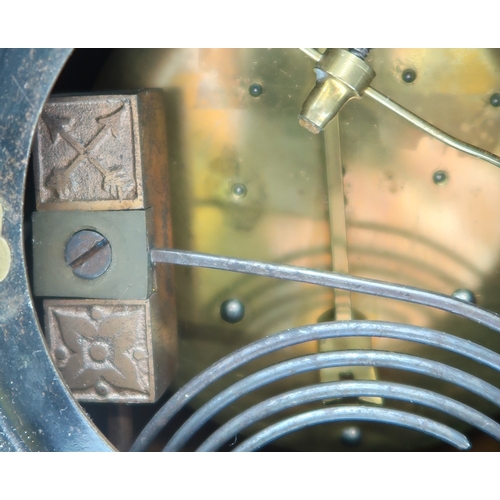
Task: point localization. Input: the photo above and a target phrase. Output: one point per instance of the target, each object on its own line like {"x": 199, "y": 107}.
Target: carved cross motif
{"x": 112, "y": 179}
{"x": 88, "y": 153}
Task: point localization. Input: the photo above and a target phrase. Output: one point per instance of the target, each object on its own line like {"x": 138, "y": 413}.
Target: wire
{"x": 361, "y": 328}
{"x": 330, "y": 279}
{"x": 431, "y": 129}
{"x": 328, "y": 360}
{"x": 384, "y": 415}
{"x": 276, "y": 342}
{"x": 343, "y": 389}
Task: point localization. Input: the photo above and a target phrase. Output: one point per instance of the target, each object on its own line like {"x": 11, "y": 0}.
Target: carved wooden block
{"x": 100, "y": 162}
{"x": 111, "y": 351}
{"x": 90, "y": 154}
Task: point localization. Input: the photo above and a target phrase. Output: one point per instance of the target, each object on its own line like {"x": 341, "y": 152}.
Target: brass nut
{"x": 340, "y": 76}
{"x": 347, "y": 69}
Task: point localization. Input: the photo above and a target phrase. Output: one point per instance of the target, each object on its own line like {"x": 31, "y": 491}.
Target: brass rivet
{"x": 409, "y": 75}
{"x": 239, "y": 190}
{"x": 440, "y": 177}
{"x": 351, "y": 436}
{"x": 495, "y": 100}
{"x": 255, "y": 89}
{"x": 232, "y": 311}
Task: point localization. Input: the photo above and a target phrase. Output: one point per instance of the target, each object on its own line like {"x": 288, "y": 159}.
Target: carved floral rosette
{"x": 102, "y": 348}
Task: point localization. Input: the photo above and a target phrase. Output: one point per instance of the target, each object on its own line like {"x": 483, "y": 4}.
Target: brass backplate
{"x": 401, "y": 225}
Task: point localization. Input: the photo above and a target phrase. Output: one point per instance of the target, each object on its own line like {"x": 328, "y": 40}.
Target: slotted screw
{"x": 88, "y": 253}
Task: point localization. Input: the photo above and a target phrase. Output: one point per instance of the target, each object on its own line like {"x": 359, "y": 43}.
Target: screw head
{"x": 440, "y": 177}
{"x": 88, "y": 253}
{"x": 255, "y": 89}
{"x": 465, "y": 295}
{"x": 409, "y": 75}
{"x": 495, "y": 99}
{"x": 232, "y": 311}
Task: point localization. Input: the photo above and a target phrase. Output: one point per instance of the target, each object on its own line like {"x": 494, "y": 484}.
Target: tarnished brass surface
{"x": 312, "y": 53}
{"x": 401, "y": 226}
{"x": 342, "y": 309}
{"x": 5, "y": 253}
{"x": 338, "y": 230}
{"x": 106, "y": 349}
